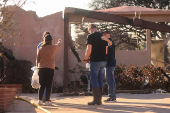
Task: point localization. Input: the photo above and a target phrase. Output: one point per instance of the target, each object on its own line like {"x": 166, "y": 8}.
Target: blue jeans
{"x": 110, "y": 80}
{"x": 44, "y": 95}
{"x": 96, "y": 73}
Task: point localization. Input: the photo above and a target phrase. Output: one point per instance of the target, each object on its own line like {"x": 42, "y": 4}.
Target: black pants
{"x": 45, "y": 79}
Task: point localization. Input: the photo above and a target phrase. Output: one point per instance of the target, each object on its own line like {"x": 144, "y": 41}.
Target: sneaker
{"x": 40, "y": 102}
{"x": 48, "y": 103}
{"x": 43, "y": 99}
{"x": 110, "y": 100}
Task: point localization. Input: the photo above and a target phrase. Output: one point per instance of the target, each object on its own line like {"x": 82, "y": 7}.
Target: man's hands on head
{"x": 104, "y": 38}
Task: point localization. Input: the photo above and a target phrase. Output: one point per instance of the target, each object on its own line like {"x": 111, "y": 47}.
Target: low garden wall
{"x": 17, "y": 86}
{"x": 7, "y": 96}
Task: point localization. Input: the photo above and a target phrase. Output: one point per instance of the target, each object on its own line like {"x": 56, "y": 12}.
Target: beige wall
{"x": 72, "y": 61}
{"x": 28, "y": 30}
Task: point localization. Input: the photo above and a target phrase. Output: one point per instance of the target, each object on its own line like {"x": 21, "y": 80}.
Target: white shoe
{"x": 48, "y": 103}
{"x": 110, "y": 100}
{"x": 40, "y": 102}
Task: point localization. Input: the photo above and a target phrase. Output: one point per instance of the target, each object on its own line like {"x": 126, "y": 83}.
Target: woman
{"x": 46, "y": 65}
{"x": 39, "y": 45}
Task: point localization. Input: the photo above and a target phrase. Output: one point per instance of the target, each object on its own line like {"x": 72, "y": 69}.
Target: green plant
{"x": 77, "y": 71}
{"x": 19, "y": 72}
{"x": 57, "y": 88}
{"x": 133, "y": 77}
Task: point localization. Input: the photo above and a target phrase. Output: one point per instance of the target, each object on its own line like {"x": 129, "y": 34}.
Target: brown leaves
{"x": 133, "y": 77}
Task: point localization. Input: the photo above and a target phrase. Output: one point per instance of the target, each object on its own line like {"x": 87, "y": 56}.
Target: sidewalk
{"x": 126, "y": 103}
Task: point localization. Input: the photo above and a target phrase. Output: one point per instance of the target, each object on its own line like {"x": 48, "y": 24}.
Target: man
{"x": 110, "y": 67}
{"x": 96, "y": 50}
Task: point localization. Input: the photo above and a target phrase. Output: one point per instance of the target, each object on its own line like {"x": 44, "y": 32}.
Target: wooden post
{"x": 148, "y": 39}
{"x": 66, "y": 35}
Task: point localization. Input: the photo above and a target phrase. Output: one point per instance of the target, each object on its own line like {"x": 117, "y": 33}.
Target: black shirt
{"x": 111, "y": 61}
{"x": 98, "y": 52}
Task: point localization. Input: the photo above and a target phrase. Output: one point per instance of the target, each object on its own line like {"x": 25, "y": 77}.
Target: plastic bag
{"x": 34, "y": 68}
{"x": 87, "y": 65}
{"x": 35, "y": 79}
